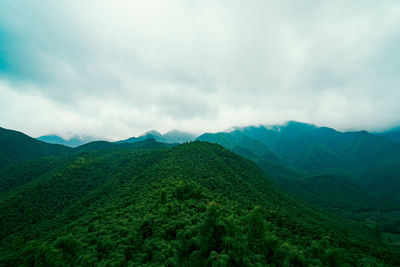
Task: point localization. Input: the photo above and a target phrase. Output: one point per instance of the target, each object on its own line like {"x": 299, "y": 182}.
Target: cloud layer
{"x": 114, "y": 69}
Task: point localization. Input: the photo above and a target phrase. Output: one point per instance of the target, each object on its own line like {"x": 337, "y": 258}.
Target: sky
{"x": 115, "y": 69}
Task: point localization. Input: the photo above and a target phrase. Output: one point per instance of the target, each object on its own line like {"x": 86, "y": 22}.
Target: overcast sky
{"x": 114, "y": 69}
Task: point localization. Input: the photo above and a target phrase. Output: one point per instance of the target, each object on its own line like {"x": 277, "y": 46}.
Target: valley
{"x": 240, "y": 202}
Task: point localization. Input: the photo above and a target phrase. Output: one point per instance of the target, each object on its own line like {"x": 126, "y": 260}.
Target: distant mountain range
{"x": 171, "y": 137}
{"x": 180, "y": 137}
{"x": 393, "y": 134}
{"x": 71, "y": 142}
{"x": 340, "y": 172}
{"x": 352, "y": 175}
{"x": 369, "y": 161}
{"x": 17, "y": 147}
{"x": 194, "y": 204}
{"x": 322, "y": 150}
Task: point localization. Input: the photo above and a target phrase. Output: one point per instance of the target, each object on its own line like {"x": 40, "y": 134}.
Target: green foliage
{"x": 211, "y": 231}
{"x": 17, "y": 147}
{"x": 68, "y": 246}
{"x": 256, "y": 230}
{"x": 354, "y": 175}
{"x": 218, "y": 260}
{"x": 196, "y": 204}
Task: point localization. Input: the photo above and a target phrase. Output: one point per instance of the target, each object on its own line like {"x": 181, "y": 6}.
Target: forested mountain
{"x": 195, "y": 204}
{"x": 149, "y": 143}
{"x": 393, "y": 134}
{"x": 173, "y": 136}
{"x": 17, "y": 147}
{"x": 323, "y": 150}
{"x": 355, "y": 175}
{"x": 312, "y": 148}
{"x": 71, "y": 142}
{"x": 240, "y": 144}
{"x": 320, "y": 149}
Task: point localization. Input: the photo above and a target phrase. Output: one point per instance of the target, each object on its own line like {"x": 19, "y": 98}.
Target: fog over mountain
{"x": 117, "y": 69}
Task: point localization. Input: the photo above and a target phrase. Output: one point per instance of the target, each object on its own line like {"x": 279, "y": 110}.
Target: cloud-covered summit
{"x": 114, "y": 69}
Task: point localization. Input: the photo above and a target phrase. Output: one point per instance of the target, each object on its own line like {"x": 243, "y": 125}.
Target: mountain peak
{"x": 299, "y": 125}
{"x": 152, "y": 133}
{"x": 173, "y": 136}
{"x": 73, "y": 141}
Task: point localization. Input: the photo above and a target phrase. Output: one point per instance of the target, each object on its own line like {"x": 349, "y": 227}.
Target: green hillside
{"x": 311, "y": 148}
{"x": 196, "y": 204}
{"x": 382, "y": 177}
{"x": 393, "y": 134}
{"x": 17, "y": 147}
{"x": 354, "y": 175}
{"x": 369, "y": 161}
{"x": 149, "y": 143}
{"x": 240, "y": 144}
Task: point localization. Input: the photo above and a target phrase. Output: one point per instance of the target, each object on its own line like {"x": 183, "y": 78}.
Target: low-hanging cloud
{"x": 114, "y": 69}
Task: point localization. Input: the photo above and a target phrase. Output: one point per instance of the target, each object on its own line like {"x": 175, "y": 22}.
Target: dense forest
{"x": 354, "y": 175}
{"x": 153, "y": 204}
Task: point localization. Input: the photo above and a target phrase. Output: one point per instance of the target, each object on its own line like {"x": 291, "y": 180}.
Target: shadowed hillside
{"x": 17, "y": 147}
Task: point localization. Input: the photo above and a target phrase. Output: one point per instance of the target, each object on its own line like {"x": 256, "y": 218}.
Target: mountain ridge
{"x": 17, "y": 146}
{"x": 74, "y": 141}
{"x": 190, "y": 205}
{"x": 173, "y": 136}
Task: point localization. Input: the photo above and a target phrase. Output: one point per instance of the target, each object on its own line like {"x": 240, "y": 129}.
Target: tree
{"x": 256, "y": 230}
{"x": 211, "y": 232}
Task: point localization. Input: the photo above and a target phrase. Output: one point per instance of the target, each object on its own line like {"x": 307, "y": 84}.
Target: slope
{"x": 173, "y": 136}
{"x": 17, "y": 147}
{"x": 74, "y": 141}
{"x": 196, "y": 204}
{"x": 326, "y": 173}
{"x": 149, "y": 143}
{"x": 393, "y": 134}
{"x": 322, "y": 150}
{"x": 240, "y": 144}
{"x": 312, "y": 148}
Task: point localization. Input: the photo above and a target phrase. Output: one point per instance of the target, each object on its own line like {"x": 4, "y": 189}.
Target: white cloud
{"x": 117, "y": 68}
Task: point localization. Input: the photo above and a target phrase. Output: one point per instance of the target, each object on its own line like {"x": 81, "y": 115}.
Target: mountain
{"x": 17, "y": 147}
{"x": 321, "y": 149}
{"x": 393, "y": 134}
{"x": 173, "y": 136}
{"x": 105, "y": 146}
{"x": 71, "y": 142}
{"x": 336, "y": 193}
{"x": 196, "y": 204}
{"x": 241, "y": 144}
{"x": 354, "y": 175}
{"x": 176, "y": 136}
{"x": 311, "y": 148}
{"x": 382, "y": 177}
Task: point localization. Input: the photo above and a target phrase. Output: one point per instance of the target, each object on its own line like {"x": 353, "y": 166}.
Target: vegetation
{"x": 196, "y": 204}
{"x": 393, "y": 134}
{"x": 353, "y": 175}
{"x": 18, "y": 147}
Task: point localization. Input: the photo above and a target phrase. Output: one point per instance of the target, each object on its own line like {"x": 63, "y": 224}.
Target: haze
{"x": 114, "y": 69}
